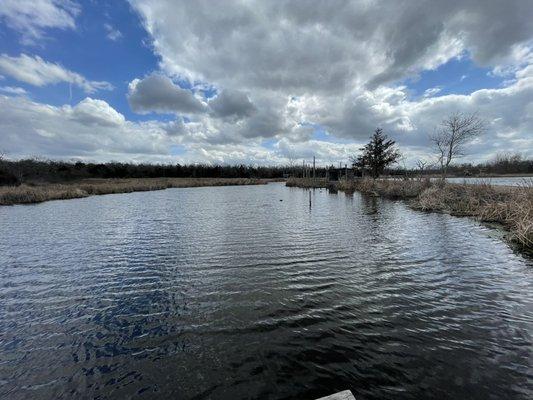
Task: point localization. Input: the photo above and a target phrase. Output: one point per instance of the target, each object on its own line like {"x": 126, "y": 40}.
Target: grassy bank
{"x": 510, "y": 206}
{"x": 27, "y": 194}
{"x": 307, "y": 183}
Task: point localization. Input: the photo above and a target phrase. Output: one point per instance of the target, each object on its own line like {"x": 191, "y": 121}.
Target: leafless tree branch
{"x": 454, "y": 133}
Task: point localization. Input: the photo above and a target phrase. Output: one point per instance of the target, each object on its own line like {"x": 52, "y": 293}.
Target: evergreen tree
{"x": 378, "y": 154}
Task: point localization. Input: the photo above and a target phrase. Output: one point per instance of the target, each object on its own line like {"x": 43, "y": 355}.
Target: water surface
{"x": 245, "y": 292}
{"x": 497, "y": 181}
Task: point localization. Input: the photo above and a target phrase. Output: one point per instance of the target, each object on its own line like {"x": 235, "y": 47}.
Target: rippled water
{"x": 497, "y": 181}
{"x": 231, "y": 293}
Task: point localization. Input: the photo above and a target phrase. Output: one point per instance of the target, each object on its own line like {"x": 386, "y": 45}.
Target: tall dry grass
{"x": 392, "y": 188}
{"x": 26, "y": 194}
{"x": 307, "y": 183}
{"x": 510, "y": 206}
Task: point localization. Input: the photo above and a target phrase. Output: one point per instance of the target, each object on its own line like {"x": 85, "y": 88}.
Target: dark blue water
{"x": 230, "y": 293}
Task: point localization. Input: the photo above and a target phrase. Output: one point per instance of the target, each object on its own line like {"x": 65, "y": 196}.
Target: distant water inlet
{"x": 230, "y": 293}
{"x": 497, "y": 181}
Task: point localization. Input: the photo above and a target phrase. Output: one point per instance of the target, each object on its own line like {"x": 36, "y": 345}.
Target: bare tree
{"x": 455, "y": 131}
{"x": 291, "y": 160}
{"x": 421, "y": 165}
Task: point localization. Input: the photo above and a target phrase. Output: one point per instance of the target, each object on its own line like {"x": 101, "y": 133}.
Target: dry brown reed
{"x": 307, "y": 182}
{"x": 392, "y": 188}
{"x": 510, "y": 206}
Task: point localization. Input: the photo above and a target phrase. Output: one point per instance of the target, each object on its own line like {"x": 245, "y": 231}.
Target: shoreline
{"x": 482, "y": 176}
{"x": 508, "y": 206}
{"x": 38, "y": 193}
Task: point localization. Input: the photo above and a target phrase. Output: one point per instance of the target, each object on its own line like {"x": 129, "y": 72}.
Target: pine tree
{"x": 378, "y": 154}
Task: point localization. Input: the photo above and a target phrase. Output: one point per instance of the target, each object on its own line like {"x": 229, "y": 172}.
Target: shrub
{"x": 7, "y": 178}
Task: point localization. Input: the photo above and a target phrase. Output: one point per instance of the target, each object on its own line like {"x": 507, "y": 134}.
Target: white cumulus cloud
{"x": 13, "y": 90}
{"x": 38, "y": 72}
{"x": 32, "y": 18}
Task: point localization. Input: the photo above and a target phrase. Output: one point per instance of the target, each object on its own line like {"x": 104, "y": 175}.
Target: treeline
{"x": 502, "y": 164}
{"x": 34, "y": 171}
{"x": 508, "y": 164}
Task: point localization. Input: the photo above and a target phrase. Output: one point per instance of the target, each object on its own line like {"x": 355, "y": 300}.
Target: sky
{"x": 260, "y": 82}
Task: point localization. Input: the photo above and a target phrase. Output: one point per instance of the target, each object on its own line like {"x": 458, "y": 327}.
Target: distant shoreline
{"x": 477, "y": 176}
{"x": 521, "y": 175}
{"x": 37, "y": 193}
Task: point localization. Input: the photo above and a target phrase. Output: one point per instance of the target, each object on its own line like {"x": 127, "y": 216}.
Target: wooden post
{"x": 344, "y": 395}
{"x": 309, "y": 198}
{"x": 314, "y": 168}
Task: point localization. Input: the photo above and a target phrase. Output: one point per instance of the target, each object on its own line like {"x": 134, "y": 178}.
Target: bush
{"x": 8, "y": 178}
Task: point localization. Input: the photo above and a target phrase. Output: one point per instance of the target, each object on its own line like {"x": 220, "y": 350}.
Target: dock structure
{"x": 344, "y": 395}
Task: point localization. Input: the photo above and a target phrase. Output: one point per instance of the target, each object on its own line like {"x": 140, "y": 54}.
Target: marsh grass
{"x": 307, "y": 182}
{"x": 392, "y": 188}
{"x": 27, "y": 194}
{"x": 510, "y": 206}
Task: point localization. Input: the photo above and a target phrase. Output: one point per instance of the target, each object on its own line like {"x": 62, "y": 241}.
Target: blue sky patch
{"x": 89, "y": 52}
{"x": 457, "y": 76}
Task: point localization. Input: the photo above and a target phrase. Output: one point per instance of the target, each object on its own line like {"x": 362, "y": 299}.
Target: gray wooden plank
{"x": 344, "y": 395}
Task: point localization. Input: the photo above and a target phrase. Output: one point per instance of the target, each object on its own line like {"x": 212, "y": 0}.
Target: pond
{"x": 497, "y": 181}
{"x": 246, "y": 292}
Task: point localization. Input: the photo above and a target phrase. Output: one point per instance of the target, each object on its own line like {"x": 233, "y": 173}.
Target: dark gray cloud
{"x": 309, "y": 46}
{"x": 175, "y": 128}
{"x": 265, "y": 124}
{"x": 159, "y": 94}
{"x": 232, "y": 103}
